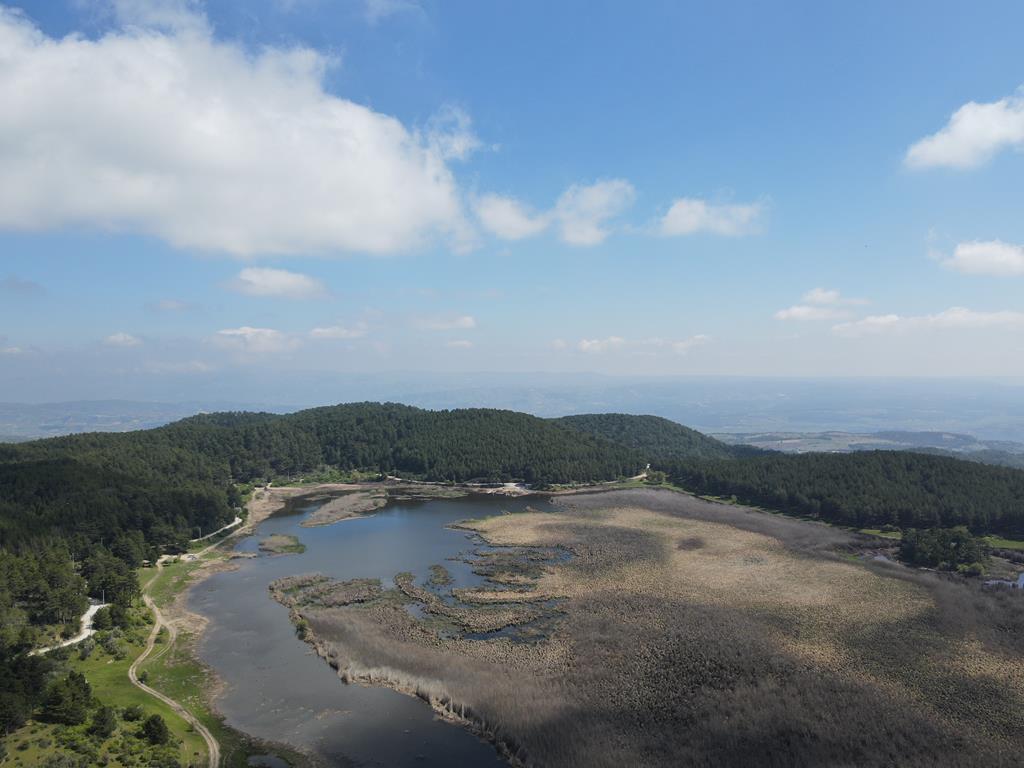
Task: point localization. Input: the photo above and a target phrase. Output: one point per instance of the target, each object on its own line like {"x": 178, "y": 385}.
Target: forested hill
{"x": 655, "y": 438}
{"x": 867, "y": 488}
{"x": 169, "y": 481}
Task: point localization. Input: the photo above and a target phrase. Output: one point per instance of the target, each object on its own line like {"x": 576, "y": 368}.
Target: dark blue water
{"x": 277, "y": 689}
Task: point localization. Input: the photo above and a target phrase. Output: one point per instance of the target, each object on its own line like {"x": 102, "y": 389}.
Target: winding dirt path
{"x": 212, "y": 747}
{"x": 85, "y": 630}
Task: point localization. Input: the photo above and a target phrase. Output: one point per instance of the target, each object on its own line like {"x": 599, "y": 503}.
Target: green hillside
{"x": 655, "y": 438}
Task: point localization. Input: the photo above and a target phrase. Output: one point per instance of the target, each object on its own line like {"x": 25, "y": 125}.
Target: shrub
{"x": 155, "y": 730}
{"x": 134, "y": 713}
{"x": 85, "y": 648}
{"x": 67, "y": 700}
{"x": 104, "y": 722}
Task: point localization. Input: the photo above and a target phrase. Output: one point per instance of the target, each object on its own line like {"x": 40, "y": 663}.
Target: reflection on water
{"x": 276, "y": 688}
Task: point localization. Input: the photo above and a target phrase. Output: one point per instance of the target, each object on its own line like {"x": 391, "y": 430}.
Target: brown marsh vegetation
{"x": 684, "y": 632}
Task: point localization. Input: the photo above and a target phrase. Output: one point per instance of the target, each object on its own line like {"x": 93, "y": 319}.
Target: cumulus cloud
{"x": 953, "y": 318}
{"x": 122, "y": 339}
{"x": 340, "y": 332}
{"x": 459, "y": 344}
{"x": 158, "y": 128}
{"x": 249, "y": 341}
{"x": 280, "y": 283}
{"x": 987, "y": 257}
{"x": 689, "y": 216}
{"x": 509, "y": 219}
{"x": 819, "y": 304}
{"x": 446, "y": 323}
{"x": 973, "y": 136}
{"x": 582, "y": 213}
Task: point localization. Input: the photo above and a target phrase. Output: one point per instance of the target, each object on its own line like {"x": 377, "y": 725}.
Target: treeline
{"x": 867, "y": 488}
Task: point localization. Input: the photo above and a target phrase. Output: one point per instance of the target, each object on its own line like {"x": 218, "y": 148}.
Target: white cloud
{"x": 599, "y": 346}
{"x": 953, "y": 318}
{"x": 446, "y": 323}
{"x": 340, "y": 332}
{"x": 122, "y": 339}
{"x": 459, "y": 344}
{"x": 264, "y": 281}
{"x": 12, "y": 351}
{"x": 509, "y": 219}
{"x": 450, "y": 132}
{"x": 582, "y": 213}
{"x": 161, "y": 129}
{"x": 688, "y": 216}
{"x": 810, "y": 312}
{"x": 973, "y": 136}
{"x": 987, "y": 257}
{"x": 819, "y": 304}
{"x": 247, "y": 340}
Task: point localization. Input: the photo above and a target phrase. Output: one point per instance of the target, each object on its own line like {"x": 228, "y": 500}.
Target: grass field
{"x": 108, "y": 677}
{"x": 999, "y": 542}
{"x": 894, "y": 535}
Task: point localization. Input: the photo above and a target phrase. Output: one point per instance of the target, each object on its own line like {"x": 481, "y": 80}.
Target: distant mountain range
{"x": 28, "y": 421}
{"x": 1006, "y": 453}
{"x": 986, "y": 409}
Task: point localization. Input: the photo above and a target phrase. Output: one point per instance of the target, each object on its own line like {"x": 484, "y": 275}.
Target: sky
{"x": 232, "y": 192}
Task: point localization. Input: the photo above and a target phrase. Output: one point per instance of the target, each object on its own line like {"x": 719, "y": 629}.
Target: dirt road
{"x": 212, "y": 747}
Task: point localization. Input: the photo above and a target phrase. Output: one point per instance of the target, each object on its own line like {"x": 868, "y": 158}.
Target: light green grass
{"x": 110, "y": 684}
{"x": 894, "y": 535}
{"x": 1000, "y": 543}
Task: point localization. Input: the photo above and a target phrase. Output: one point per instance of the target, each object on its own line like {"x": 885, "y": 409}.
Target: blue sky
{"x": 223, "y": 190}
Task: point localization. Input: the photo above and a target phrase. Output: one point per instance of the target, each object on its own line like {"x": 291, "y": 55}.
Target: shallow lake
{"x": 278, "y": 689}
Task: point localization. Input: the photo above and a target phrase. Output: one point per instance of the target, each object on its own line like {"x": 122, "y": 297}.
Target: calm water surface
{"x": 278, "y": 689}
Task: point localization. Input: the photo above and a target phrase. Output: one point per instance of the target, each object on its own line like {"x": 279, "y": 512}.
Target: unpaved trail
{"x": 86, "y": 630}
{"x": 212, "y": 747}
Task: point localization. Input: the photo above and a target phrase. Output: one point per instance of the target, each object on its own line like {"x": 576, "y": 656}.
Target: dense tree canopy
{"x": 869, "y": 488}
{"x": 657, "y": 439}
